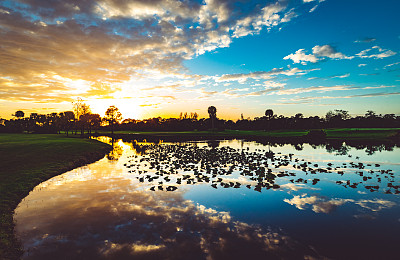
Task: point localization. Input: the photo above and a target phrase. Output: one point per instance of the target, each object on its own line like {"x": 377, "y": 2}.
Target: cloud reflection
{"x": 88, "y": 217}
{"x": 324, "y": 205}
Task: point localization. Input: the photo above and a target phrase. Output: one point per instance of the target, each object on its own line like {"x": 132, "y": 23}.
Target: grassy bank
{"x": 26, "y": 161}
{"x": 334, "y": 133}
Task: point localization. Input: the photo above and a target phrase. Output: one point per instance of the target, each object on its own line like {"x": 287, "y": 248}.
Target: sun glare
{"x": 129, "y": 108}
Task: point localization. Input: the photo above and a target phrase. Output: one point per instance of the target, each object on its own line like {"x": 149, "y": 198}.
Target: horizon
{"x": 162, "y": 58}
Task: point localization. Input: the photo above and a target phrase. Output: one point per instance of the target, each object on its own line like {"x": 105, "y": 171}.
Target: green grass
{"x": 334, "y": 133}
{"x": 361, "y": 133}
{"x": 27, "y": 160}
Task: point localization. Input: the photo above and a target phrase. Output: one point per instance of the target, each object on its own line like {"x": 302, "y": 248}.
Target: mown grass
{"x": 27, "y": 160}
{"x": 361, "y": 133}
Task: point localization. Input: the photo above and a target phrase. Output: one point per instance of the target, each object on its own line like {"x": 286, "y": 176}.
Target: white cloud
{"x": 379, "y": 53}
{"x": 327, "y": 51}
{"x": 241, "y": 77}
{"x": 323, "y": 205}
{"x": 125, "y": 40}
{"x": 319, "y": 52}
{"x": 319, "y": 89}
{"x": 392, "y": 64}
{"x": 301, "y": 57}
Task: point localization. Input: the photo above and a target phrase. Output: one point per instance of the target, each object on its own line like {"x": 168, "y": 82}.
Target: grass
{"x": 361, "y": 133}
{"x": 334, "y": 133}
{"x": 27, "y": 160}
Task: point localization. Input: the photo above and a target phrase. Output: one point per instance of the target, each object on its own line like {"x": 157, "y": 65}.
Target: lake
{"x": 229, "y": 199}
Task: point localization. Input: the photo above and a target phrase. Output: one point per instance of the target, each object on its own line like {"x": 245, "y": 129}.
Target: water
{"x": 219, "y": 200}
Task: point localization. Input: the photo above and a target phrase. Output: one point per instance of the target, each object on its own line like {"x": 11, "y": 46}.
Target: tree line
{"x": 81, "y": 120}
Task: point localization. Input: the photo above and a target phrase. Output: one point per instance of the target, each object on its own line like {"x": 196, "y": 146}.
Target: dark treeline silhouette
{"x": 81, "y": 120}
{"x": 333, "y": 119}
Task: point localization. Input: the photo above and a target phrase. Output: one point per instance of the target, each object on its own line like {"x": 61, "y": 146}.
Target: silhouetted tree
{"x": 94, "y": 121}
{"x": 269, "y": 114}
{"x": 80, "y": 108}
{"x": 67, "y": 119}
{"x": 113, "y": 116}
{"x": 370, "y": 114}
{"x": 19, "y": 114}
{"x": 212, "y": 111}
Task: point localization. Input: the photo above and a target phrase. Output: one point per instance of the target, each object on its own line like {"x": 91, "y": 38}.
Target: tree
{"x": 94, "y": 121}
{"x": 337, "y": 114}
{"x": 194, "y": 116}
{"x": 66, "y": 120}
{"x": 212, "y": 111}
{"x": 269, "y": 114}
{"x": 299, "y": 116}
{"x": 113, "y": 116}
{"x": 370, "y": 114}
{"x": 19, "y": 114}
{"x": 80, "y": 108}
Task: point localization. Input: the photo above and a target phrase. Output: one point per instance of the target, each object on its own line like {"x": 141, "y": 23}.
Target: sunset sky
{"x": 162, "y": 57}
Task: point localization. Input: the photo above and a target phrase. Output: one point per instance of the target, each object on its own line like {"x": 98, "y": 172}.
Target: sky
{"x": 155, "y": 58}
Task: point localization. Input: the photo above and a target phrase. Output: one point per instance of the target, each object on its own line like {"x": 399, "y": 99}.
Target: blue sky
{"x": 159, "y": 57}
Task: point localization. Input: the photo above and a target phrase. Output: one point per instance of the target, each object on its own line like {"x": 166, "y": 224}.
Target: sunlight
{"x": 129, "y": 108}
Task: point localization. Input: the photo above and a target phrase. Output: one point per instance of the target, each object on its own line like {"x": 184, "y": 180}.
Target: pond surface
{"x": 219, "y": 200}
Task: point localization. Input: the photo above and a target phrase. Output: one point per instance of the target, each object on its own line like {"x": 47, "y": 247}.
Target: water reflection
{"x": 168, "y": 164}
{"x": 115, "y": 219}
{"x": 216, "y": 200}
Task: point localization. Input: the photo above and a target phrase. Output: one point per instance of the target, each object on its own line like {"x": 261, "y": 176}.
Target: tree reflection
{"x": 186, "y": 164}
{"x": 116, "y": 151}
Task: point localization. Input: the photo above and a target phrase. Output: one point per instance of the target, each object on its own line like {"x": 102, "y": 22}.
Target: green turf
{"x": 27, "y": 160}
{"x": 361, "y": 133}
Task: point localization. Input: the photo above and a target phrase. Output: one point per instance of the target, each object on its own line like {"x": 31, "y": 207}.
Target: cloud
{"x": 366, "y": 40}
{"x": 319, "y": 204}
{"x": 129, "y": 221}
{"x": 318, "y": 53}
{"x": 390, "y": 65}
{"x": 112, "y": 41}
{"x": 375, "y": 52}
{"x": 323, "y": 52}
{"x": 375, "y": 204}
{"x": 319, "y": 89}
{"x": 312, "y": 99}
{"x": 323, "y": 205}
{"x": 327, "y": 51}
{"x": 241, "y": 77}
{"x": 341, "y": 76}
{"x": 315, "y": 6}
{"x": 173, "y": 87}
{"x": 301, "y": 57}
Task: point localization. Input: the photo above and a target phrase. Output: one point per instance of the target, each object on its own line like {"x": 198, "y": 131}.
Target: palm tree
{"x": 212, "y": 111}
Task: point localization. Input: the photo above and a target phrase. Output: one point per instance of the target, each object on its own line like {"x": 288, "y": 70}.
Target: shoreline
{"x": 295, "y": 136}
{"x": 10, "y": 247}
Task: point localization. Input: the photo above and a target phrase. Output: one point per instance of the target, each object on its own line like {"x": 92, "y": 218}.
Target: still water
{"x": 219, "y": 200}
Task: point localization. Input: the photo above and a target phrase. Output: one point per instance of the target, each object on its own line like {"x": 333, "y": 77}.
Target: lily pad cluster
{"x": 170, "y": 165}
